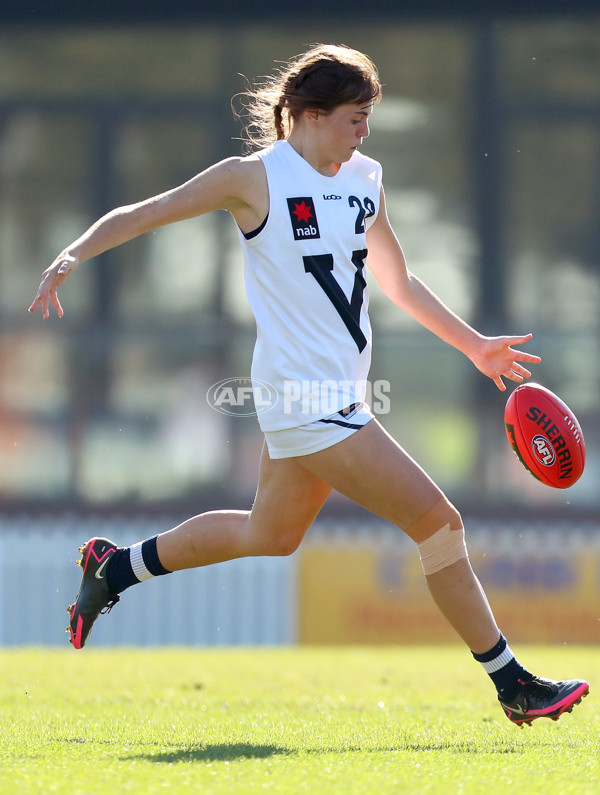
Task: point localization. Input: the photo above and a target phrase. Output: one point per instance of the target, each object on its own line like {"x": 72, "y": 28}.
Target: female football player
{"x": 311, "y": 215}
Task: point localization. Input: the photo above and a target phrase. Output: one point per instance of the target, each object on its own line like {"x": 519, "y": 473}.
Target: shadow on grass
{"x": 211, "y": 753}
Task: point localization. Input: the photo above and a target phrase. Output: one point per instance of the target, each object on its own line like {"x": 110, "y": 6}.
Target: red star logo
{"x": 302, "y": 212}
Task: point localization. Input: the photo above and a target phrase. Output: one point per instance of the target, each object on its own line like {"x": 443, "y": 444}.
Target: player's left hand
{"x": 52, "y": 278}
{"x": 496, "y": 358}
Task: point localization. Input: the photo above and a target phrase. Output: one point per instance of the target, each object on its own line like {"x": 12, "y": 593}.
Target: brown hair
{"x": 322, "y": 78}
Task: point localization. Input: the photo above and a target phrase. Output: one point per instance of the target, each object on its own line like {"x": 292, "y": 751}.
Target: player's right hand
{"x": 53, "y": 277}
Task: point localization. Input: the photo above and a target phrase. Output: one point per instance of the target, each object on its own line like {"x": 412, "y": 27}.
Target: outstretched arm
{"x": 233, "y": 184}
{"x": 493, "y": 356}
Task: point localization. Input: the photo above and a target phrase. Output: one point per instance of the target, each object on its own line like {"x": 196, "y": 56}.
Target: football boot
{"x": 94, "y": 597}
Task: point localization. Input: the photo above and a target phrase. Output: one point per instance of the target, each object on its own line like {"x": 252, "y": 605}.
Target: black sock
{"x": 503, "y": 669}
{"x": 130, "y": 565}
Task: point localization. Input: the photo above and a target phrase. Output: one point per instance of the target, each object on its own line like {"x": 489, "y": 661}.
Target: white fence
{"x": 242, "y": 602}
{"x": 259, "y": 601}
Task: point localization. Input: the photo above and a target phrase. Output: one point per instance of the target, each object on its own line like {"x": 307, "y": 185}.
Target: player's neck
{"x": 310, "y": 152}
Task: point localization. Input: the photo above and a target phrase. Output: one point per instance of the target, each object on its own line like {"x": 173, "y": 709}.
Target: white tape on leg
{"x": 442, "y": 549}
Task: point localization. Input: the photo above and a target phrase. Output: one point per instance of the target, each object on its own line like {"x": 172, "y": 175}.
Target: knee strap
{"x": 440, "y": 537}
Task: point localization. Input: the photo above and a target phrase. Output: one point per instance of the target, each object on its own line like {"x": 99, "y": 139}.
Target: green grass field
{"x": 326, "y": 721}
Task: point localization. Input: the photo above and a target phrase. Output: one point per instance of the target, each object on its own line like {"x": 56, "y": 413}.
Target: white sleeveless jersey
{"x": 305, "y": 284}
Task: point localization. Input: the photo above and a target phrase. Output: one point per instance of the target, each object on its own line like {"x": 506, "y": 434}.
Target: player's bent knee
{"x": 285, "y": 544}
{"x": 276, "y": 542}
{"x": 440, "y": 537}
{"x": 273, "y": 536}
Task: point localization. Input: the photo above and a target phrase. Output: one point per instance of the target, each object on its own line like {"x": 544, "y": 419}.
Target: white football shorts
{"x": 318, "y": 435}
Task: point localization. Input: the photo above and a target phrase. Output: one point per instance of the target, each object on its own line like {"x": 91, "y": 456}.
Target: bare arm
{"x": 493, "y": 356}
{"x": 236, "y": 184}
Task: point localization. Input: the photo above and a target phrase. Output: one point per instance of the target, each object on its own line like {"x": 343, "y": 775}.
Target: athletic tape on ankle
{"x": 440, "y": 537}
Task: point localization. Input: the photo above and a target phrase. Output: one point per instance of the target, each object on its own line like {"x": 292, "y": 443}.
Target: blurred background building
{"x": 489, "y": 135}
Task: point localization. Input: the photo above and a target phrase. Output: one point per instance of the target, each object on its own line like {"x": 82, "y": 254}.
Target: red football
{"x": 545, "y": 435}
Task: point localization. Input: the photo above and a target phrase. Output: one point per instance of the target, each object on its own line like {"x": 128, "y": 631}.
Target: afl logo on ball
{"x": 543, "y": 450}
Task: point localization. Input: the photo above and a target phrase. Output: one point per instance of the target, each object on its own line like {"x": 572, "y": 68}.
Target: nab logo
{"x": 303, "y": 217}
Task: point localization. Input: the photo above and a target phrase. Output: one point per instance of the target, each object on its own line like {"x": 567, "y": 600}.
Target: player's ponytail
{"x": 278, "y": 121}
{"x": 322, "y": 78}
